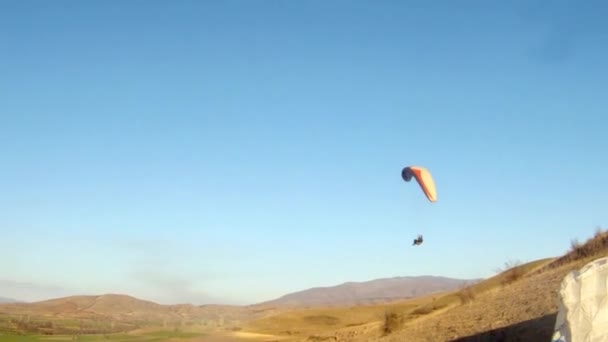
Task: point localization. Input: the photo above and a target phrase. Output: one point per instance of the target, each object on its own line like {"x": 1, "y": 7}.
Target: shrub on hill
{"x": 392, "y": 321}
{"x": 594, "y": 246}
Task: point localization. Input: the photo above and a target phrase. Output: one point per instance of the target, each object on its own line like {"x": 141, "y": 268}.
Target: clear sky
{"x": 235, "y": 151}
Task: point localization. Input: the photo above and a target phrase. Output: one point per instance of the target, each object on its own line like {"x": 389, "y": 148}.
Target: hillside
{"x": 368, "y": 292}
{"x": 351, "y": 321}
{"x": 519, "y": 304}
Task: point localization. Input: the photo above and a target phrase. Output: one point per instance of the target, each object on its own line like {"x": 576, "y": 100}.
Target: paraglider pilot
{"x": 418, "y": 241}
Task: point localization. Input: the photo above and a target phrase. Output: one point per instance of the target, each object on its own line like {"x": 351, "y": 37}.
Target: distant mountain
{"x": 8, "y": 300}
{"x": 368, "y": 292}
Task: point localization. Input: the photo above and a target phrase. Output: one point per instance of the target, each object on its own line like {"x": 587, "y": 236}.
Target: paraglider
{"x": 424, "y": 179}
{"x": 427, "y": 184}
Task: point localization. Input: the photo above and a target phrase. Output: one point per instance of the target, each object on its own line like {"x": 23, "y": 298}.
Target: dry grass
{"x": 512, "y": 272}
{"x": 392, "y": 321}
{"x": 466, "y": 294}
{"x": 427, "y": 309}
{"x": 316, "y": 321}
{"x": 593, "y": 247}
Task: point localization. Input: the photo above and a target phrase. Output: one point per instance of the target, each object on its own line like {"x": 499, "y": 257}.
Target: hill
{"x": 368, "y": 292}
{"x": 111, "y": 313}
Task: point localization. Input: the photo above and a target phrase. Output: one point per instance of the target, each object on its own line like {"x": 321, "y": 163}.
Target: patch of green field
{"x": 18, "y": 338}
{"x": 172, "y": 334}
{"x": 160, "y": 335}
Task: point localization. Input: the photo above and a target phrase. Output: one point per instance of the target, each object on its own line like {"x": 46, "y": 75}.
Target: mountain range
{"x": 370, "y": 292}
{"x": 8, "y": 300}
{"x": 349, "y": 293}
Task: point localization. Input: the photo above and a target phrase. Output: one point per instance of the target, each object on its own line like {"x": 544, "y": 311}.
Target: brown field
{"x": 518, "y": 304}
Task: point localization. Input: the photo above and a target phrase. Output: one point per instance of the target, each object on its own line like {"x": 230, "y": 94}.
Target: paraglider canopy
{"x": 424, "y": 179}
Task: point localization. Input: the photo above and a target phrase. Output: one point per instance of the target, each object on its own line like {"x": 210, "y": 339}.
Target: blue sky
{"x": 235, "y": 151}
